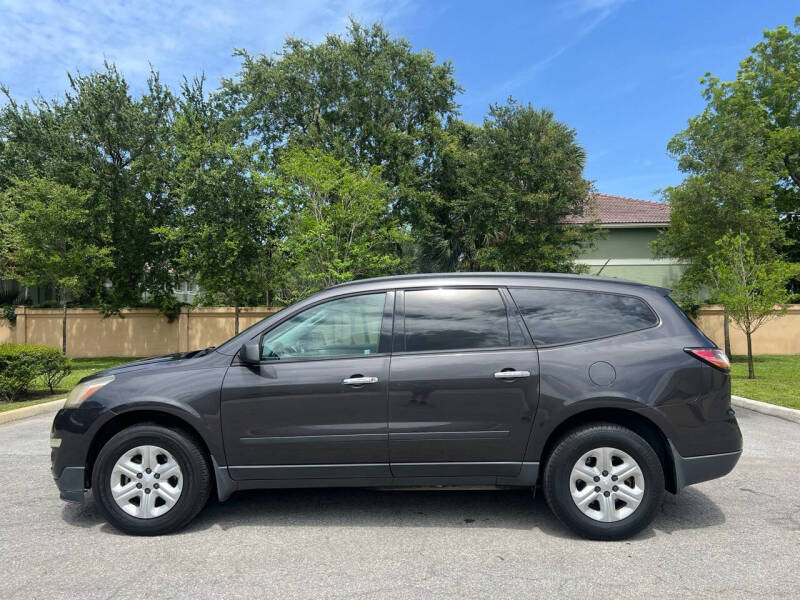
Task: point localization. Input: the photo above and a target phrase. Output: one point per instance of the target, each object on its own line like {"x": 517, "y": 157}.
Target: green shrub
{"x": 22, "y": 364}
{"x": 8, "y": 300}
{"x": 55, "y": 367}
{"x": 47, "y": 304}
{"x": 9, "y": 311}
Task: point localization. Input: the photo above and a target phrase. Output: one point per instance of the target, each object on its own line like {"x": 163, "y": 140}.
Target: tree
{"x": 8, "y": 235}
{"x": 327, "y": 161}
{"x": 102, "y": 141}
{"x": 341, "y": 222}
{"x": 704, "y": 208}
{"x": 52, "y": 244}
{"x": 443, "y": 232}
{"x": 364, "y": 97}
{"x": 741, "y": 156}
{"x": 225, "y": 230}
{"x": 750, "y": 282}
{"x": 505, "y": 193}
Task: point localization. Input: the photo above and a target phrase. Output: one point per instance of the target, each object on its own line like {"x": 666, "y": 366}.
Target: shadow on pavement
{"x": 356, "y": 507}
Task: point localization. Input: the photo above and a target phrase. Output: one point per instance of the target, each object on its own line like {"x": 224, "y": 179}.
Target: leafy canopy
{"x": 341, "y": 222}
{"x": 504, "y": 193}
{"x": 223, "y": 232}
{"x": 741, "y": 156}
{"x": 115, "y": 149}
{"x": 325, "y": 162}
{"x": 750, "y": 281}
{"x": 52, "y": 244}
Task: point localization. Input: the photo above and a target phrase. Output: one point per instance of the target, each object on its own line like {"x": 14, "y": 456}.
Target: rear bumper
{"x": 694, "y": 469}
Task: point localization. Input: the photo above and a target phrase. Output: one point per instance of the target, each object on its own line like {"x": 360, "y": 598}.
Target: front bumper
{"x": 70, "y": 484}
{"x": 69, "y": 444}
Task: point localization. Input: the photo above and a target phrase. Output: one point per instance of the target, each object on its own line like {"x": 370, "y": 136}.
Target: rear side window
{"x": 566, "y": 316}
{"x": 455, "y": 319}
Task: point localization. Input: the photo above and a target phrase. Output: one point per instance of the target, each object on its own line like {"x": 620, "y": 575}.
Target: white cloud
{"x": 580, "y": 7}
{"x": 43, "y": 39}
{"x": 578, "y": 18}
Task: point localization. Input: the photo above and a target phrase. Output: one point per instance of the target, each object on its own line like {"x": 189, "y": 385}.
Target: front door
{"x": 464, "y": 385}
{"x": 315, "y": 407}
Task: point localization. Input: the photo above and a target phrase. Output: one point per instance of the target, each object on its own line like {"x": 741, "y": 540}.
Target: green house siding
{"x": 624, "y": 243}
{"x": 627, "y": 253}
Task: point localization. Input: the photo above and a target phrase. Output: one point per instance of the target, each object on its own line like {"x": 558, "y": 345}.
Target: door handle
{"x": 511, "y": 374}
{"x": 359, "y": 380}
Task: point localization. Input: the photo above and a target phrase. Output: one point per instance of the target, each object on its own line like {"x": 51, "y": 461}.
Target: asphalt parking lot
{"x": 737, "y": 537}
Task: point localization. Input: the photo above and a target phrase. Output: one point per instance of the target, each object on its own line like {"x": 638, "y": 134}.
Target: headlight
{"x": 83, "y": 390}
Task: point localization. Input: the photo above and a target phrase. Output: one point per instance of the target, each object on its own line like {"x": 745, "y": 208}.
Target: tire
{"x": 182, "y": 493}
{"x": 610, "y": 513}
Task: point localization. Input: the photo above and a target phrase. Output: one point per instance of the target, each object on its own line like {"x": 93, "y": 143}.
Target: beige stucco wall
{"x": 145, "y": 332}
{"x": 6, "y": 332}
{"x": 212, "y": 325}
{"x": 780, "y": 335}
{"x": 135, "y": 332}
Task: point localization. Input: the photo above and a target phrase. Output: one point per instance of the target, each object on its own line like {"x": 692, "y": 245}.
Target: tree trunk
{"x": 64, "y": 325}
{"x": 236, "y": 319}
{"x": 750, "y": 372}
{"x": 727, "y": 332}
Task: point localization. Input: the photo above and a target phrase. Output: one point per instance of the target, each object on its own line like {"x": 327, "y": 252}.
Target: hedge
{"x": 22, "y": 364}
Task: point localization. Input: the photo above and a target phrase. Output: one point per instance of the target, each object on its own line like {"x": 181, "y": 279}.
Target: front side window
{"x": 344, "y": 327}
{"x": 455, "y": 319}
{"x": 566, "y": 316}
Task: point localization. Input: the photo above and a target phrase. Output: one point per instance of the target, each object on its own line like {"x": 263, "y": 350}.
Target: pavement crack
{"x": 757, "y": 493}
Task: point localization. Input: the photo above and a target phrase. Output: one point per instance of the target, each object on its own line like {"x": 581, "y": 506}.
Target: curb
{"x": 781, "y": 412}
{"x": 31, "y": 411}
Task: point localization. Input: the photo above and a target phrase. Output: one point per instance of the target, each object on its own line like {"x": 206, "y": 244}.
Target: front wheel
{"x": 604, "y": 481}
{"x": 150, "y": 480}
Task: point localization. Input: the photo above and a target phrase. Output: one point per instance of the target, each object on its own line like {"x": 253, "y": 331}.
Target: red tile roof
{"x": 611, "y": 210}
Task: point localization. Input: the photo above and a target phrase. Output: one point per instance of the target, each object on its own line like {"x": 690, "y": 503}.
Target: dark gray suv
{"x": 600, "y": 391}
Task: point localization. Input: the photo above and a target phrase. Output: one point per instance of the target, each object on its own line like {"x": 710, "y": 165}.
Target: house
{"x": 629, "y": 226}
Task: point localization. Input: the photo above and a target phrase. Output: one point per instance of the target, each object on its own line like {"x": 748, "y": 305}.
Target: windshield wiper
{"x": 204, "y": 351}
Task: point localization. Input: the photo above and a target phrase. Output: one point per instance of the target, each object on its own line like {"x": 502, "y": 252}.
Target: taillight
{"x": 713, "y": 356}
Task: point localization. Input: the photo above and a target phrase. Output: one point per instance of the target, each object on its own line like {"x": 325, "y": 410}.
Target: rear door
{"x": 464, "y": 382}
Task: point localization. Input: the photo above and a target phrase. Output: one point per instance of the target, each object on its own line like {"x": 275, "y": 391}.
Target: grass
{"x": 777, "y": 379}
{"x": 81, "y": 367}
{"x": 4, "y": 406}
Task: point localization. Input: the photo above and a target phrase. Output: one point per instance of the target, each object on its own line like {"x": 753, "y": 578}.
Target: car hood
{"x": 149, "y": 364}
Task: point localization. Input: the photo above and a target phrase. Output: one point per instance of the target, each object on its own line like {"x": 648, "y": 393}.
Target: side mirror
{"x": 250, "y": 353}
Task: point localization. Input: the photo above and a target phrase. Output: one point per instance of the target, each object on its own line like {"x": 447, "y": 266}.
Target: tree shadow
{"x": 363, "y": 507}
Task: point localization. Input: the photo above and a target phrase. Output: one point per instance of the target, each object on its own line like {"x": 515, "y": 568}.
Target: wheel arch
{"x": 138, "y": 417}
{"x": 631, "y": 419}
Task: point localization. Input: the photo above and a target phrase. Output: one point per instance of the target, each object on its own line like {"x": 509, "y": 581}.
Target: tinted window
{"x": 450, "y": 319}
{"x": 345, "y": 327}
{"x": 563, "y": 316}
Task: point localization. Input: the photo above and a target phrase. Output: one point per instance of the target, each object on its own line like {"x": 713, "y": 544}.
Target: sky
{"x": 624, "y": 73}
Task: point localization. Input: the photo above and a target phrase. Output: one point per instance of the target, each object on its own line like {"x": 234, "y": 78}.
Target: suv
{"x": 598, "y": 390}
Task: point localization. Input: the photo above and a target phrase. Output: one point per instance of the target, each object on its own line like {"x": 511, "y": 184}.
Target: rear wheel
{"x": 150, "y": 480}
{"x": 604, "y": 481}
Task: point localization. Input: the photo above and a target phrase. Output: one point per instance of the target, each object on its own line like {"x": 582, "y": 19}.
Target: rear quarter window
{"x": 567, "y": 316}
